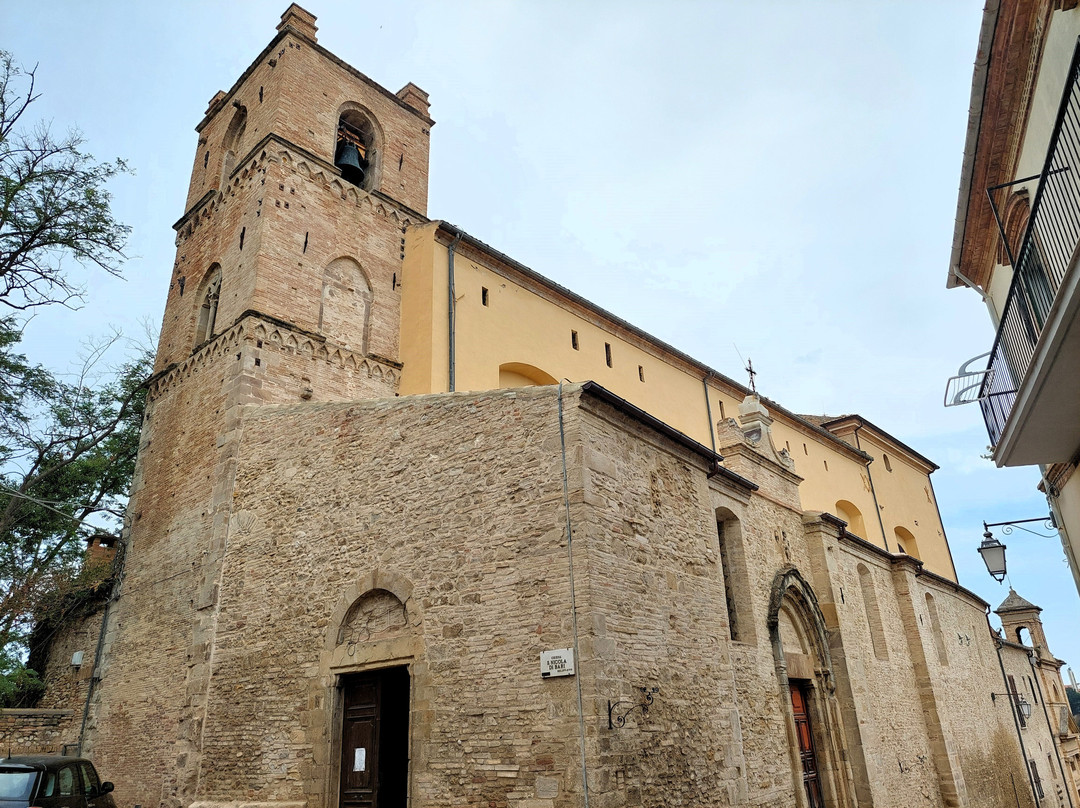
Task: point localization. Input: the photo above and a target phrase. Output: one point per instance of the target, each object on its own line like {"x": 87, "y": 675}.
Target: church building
{"x": 413, "y": 525}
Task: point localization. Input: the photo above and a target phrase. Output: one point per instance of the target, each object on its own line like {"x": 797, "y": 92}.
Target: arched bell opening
{"x": 354, "y": 148}
{"x": 799, "y": 637}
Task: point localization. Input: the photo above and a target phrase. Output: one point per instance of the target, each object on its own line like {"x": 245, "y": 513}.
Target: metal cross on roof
{"x": 753, "y": 373}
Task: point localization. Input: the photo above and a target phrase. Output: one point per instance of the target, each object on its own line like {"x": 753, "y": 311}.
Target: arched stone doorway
{"x": 807, "y": 694}
{"x": 371, "y": 668}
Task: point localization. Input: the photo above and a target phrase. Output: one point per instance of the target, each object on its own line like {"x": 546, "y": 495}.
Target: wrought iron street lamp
{"x": 993, "y": 555}
{"x": 1022, "y": 704}
{"x": 993, "y": 551}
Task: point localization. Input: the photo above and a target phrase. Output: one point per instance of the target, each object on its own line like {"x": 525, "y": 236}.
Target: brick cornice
{"x": 276, "y": 335}
{"x": 1002, "y": 114}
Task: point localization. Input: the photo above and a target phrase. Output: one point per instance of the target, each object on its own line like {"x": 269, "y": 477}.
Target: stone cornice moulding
{"x": 302, "y": 162}
{"x": 275, "y": 335}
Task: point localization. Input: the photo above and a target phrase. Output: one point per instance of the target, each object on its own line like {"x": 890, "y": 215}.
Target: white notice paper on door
{"x": 359, "y": 759}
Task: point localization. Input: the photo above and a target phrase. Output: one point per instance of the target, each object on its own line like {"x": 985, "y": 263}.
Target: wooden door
{"x": 805, "y": 735}
{"x": 375, "y": 739}
{"x": 359, "y": 747}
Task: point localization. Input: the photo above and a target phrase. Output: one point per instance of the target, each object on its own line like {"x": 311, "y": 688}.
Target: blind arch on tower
{"x": 345, "y": 307}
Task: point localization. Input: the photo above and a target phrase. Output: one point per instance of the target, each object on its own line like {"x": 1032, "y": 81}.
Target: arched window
{"x": 850, "y": 514}
{"x": 873, "y": 614}
{"x": 232, "y": 142}
{"x": 906, "y": 543}
{"x": 735, "y": 577}
{"x": 518, "y": 374}
{"x": 354, "y": 148}
{"x": 208, "y": 305}
{"x": 935, "y": 628}
{"x": 1015, "y": 218}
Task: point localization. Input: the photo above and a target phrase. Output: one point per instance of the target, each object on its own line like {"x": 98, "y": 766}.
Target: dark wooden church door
{"x": 811, "y": 780}
{"x": 375, "y": 739}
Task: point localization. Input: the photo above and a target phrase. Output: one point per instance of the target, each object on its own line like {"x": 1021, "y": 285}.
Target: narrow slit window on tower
{"x": 805, "y": 451}
{"x": 641, "y": 373}
{"x": 573, "y": 340}
{"x": 243, "y": 230}
{"x": 720, "y": 404}
{"x": 607, "y": 353}
{"x": 483, "y": 295}
{"x": 206, "y": 160}
{"x": 888, "y": 465}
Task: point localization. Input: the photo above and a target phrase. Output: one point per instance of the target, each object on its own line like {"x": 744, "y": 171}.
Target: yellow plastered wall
{"x": 512, "y": 329}
{"x": 831, "y": 475}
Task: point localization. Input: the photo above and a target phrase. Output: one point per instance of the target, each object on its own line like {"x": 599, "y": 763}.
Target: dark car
{"x": 51, "y": 781}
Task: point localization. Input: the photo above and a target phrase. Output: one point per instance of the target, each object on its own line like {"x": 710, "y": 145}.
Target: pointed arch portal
{"x": 800, "y": 643}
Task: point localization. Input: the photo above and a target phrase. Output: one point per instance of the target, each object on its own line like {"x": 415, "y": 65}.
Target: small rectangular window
{"x": 607, "y": 353}
{"x": 573, "y": 340}
{"x": 1036, "y": 778}
{"x": 483, "y": 295}
{"x": 805, "y": 451}
{"x": 641, "y": 373}
{"x": 826, "y": 462}
{"x": 721, "y": 403}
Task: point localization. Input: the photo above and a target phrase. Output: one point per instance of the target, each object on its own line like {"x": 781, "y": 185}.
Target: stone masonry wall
{"x": 457, "y": 499}
{"x": 37, "y": 731}
{"x": 158, "y": 641}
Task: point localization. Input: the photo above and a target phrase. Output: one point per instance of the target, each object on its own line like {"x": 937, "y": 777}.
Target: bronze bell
{"x": 351, "y": 164}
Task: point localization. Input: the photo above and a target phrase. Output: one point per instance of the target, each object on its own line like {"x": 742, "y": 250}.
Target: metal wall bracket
{"x": 618, "y": 720}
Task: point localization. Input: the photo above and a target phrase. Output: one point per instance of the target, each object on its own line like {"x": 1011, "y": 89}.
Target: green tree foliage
{"x": 1074, "y": 700}
{"x": 67, "y": 454}
{"x": 67, "y": 442}
{"x": 53, "y": 203}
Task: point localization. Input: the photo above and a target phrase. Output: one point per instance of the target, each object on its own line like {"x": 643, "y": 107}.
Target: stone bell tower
{"x": 1018, "y": 614}
{"x": 285, "y": 289}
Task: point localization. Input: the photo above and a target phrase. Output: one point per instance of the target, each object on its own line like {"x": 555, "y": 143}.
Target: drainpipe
{"x": 1049, "y": 726}
{"x": 708, "y": 412}
{"x": 450, "y": 305}
{"x": 1012, "y": 707}
{"x": 873, "y": 492}
{"x": 94, "y": 677}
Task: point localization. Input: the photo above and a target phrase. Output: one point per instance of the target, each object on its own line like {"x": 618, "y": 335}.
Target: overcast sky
{"x": 777, "y": 179}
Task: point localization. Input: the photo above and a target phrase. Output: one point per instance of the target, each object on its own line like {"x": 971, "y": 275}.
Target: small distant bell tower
{"x": 1018, "y": 614}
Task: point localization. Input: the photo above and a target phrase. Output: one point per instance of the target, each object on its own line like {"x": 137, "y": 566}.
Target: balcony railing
{"x": 1046, "y": 252}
